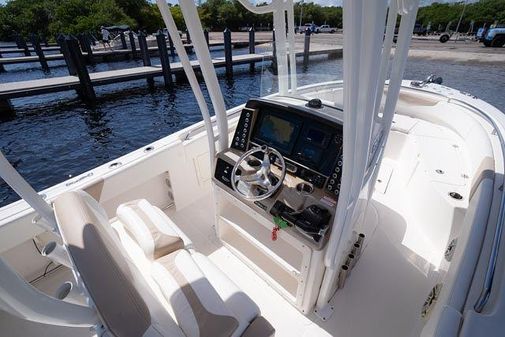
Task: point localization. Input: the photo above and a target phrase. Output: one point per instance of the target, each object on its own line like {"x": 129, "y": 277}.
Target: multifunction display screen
{"x": 305, "y": 140}
{"x": 278, "y": 132}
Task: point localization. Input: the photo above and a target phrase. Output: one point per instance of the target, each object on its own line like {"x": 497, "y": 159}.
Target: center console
{"x": 310, "y": 141}
{"x": 283, "y": 236}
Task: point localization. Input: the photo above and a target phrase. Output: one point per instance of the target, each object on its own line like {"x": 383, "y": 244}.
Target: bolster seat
{"x": 152, "y": 229}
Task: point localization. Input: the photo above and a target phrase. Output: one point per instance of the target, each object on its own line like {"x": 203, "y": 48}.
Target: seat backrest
{"x": 146, "y": 227}
{"x": 124, "y": 302}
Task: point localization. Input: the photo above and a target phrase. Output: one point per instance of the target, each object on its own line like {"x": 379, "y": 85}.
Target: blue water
{"x": 55, "y": 136}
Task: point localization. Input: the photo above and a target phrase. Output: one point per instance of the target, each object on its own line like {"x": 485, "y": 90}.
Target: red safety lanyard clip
{"x": 274, "y": 232}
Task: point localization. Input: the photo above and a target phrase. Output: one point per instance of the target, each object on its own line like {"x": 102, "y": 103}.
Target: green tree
{"x": 178, "y": 18}
{"x": 484, "y": 11}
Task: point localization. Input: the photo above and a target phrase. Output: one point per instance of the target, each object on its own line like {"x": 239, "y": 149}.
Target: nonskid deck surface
{"x": 385, "y": 292}
{"x": 382, "y": 297}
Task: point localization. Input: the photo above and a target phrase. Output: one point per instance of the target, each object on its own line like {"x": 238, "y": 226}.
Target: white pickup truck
{"x": 325, "y": 29}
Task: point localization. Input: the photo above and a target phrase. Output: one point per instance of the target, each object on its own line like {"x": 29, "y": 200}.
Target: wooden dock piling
{"x": 164, "y": 60}
{"x": 132, "y": 45}
{"x": 61, "y": 39}
{"x": 252, "y": 46}
{"x": 22, "y": 45}
{"x": 228, "y": 52}
{"x": 86, "y": 47}
{"x": 123, "y": 40}
{"x": 86, "y": 90}
{"x": 17, "y": 40}
{"x": 6, "y": 109}
{"x": 2, "y": 68}
{"x": 274, "y": 54}
{"x": 171, "y": 45}
{"x": 206, "y": 34}
{"x": 306, "y": 48}
{"x": 146, "y": 59}
{"x": 40, "y": 53}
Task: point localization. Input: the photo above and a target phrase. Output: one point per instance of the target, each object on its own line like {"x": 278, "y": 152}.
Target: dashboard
{"x": 310, "y": 139}
{"x": 310, "y": 143}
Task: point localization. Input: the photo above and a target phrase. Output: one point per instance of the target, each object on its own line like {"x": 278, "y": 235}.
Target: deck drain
{"x": 149, "y": 148}
{"x": 455, "y": 195}
{"x": 439, "y": 171}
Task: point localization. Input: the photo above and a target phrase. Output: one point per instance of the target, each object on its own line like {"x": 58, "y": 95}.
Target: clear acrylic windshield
{"x": 318, "y": 55}
{"x": 322, "y": 68}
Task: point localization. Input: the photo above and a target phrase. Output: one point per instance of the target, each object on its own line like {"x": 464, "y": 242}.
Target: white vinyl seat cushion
{"x": 237, "y": 302}
{"x": 197, "y": 294}
{"x": 205, "y": 302}
{"x": 152, "y": 229}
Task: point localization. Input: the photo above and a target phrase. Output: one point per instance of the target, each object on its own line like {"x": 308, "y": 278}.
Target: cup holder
{"x": 305, "y": 188}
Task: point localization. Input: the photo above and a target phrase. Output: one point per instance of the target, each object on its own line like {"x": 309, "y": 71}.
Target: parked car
{"x": 420, "y": 30}
{"x": 495, "y": 37}
{"x": 326, "y": 29}
{"x": 308, "y": 26}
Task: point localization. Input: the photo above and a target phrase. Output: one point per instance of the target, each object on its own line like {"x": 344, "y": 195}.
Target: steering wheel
{"x": 253, "y": 179}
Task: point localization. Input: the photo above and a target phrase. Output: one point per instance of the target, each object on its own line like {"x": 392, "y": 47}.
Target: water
{"x": 55, "y": 136}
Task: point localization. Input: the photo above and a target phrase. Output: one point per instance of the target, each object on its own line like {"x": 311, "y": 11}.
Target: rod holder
{"x": 56, "y": 253}
{"x": 350, "y": 260}
{"x": 69, "y": 292}
{"x": 361, "y": 239}
{"x": 356, "y": 250}
{"x": 342, "y": 276}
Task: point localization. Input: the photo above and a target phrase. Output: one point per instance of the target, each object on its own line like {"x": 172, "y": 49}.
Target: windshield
{"x": 309, "y": 53}
{"x": 320, "y": 63}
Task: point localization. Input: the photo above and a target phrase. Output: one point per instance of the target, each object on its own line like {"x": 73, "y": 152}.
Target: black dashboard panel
{"x": 310, "y": 143}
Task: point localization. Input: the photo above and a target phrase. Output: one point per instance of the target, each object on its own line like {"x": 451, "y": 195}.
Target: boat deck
{"x": 385, "y": 292}
{"x": 381, "y": 278}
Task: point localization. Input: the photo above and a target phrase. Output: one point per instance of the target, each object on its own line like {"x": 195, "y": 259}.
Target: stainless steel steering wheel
{"x": 256, "y": 180}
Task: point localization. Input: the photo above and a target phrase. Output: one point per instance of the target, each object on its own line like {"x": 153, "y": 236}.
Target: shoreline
{"x": 457, "y": 57}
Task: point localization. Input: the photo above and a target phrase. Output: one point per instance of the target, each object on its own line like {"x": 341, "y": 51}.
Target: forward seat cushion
{"x": 237, "y": 302}
{"x": 152, "y": 229}
{"x": 199, "y": 310}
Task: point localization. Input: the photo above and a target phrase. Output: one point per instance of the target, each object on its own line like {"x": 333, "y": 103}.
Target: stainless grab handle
{"x": 491, "y": 267}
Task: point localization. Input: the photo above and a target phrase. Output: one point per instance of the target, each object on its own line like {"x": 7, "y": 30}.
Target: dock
{"x": 103, "y": 54}
{"x": 84, "y": 82}
{"x": 64, "y": 83}
{"x": 21, "y": 51}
